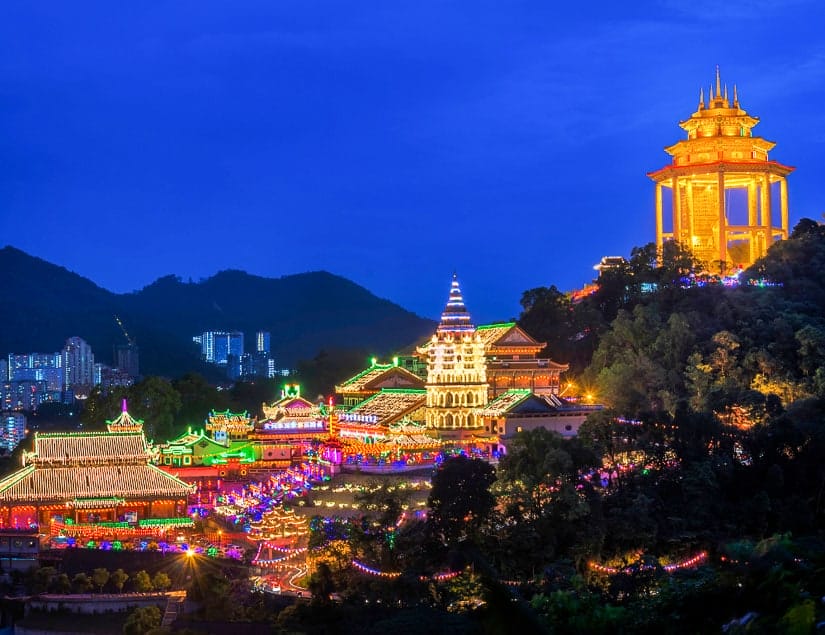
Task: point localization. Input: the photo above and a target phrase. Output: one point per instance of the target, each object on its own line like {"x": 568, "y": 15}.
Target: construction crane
{"x": 125, "y": 333}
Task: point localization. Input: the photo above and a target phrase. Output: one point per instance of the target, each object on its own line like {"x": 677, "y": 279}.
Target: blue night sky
{"x": 389, "y": 142}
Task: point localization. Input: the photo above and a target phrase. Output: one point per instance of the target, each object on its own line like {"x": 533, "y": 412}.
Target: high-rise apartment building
{"x": 262, "y": 342}
{"x": 46, "y": 367}
{"x": 12, "y": 429}
{"x": 127, "y": 359}
{"x": 78, "y": 363}
{"x": 24, "y": 395}
{"x": 217, "y": 346}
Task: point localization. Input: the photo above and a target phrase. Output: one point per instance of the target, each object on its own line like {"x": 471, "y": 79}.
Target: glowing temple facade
{"x": 456, "y": 387}
{"x": 74, "y": 481}
{"x": 722, "y": 186}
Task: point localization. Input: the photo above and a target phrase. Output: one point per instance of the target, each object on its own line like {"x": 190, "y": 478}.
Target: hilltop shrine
{"x": 721, "y": 185}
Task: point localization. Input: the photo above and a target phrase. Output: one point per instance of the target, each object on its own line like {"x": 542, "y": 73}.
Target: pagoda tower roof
{"x": 124, "y": 422}
{"x": 719, "y": 137}
{"x": 455, "y": 318}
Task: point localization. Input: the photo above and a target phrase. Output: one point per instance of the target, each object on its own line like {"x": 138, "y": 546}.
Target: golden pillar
{"x": 783, "y": 201}
{"x": 689, "y": 202}
{"x": 753, "y": 247}
{"x": 659, "y": 231}
{"x": 677, "y": 210}
{"x": 767, "y": 237}
{"x": 723, "y": 223}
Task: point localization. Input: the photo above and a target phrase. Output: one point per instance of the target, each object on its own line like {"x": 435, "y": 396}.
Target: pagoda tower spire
{"x": 455, "y": 318}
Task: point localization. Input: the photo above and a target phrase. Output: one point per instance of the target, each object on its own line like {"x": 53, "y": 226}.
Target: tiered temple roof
{"x": 505, "y": 402}
{"x": 88, "y": 448}
{"x": 525, "y": 402}
{"x": 72, "y": 467}
{"x": 379, "y": 376}
{"x": 125, "y": 422}
{"x": 387, "y": 406}
{"x": 36, "y": 484}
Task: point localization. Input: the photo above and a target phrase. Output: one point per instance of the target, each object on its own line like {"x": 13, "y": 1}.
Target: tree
{"x": 156, "y": 402}
{"x": 142, "y": 582}
{"x": 100, "y": 406}
{"x": 161, "y": 581}
{"x": 61, "y": 584}
{"x": 197, "y": 397}
{"x": 119, "y": 577}
{"x": 460, "y": 500}
{"x": 142, "y": 620}
{"x": 321, "y": 584}
{"x": 41, "y": 579}
{"x": 81, "y": 583}
{"x": 100, "y": 577}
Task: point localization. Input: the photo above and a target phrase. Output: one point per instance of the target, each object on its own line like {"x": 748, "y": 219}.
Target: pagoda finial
{"x": 455, "y": 316}
{"x": 718, "y": 83}
{"x": 701, "y": 98}
{"x": 726, "y": 95}
{"x": 735, "y": 97}
{"x": 123, "y": 406}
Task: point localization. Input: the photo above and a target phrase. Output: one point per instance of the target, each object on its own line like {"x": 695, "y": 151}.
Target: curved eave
{"x": 769, "y": 167}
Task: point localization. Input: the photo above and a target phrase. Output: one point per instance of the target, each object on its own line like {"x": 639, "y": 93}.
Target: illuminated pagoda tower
{"x": 722, "y": 185}
{"x": 456, "y": 373}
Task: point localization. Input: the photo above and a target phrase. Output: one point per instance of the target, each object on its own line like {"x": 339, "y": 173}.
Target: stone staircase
{"x": 174, "y": 606}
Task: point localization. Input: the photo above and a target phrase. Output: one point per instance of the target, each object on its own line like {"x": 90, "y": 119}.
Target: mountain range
{"x": 42, "y": 304}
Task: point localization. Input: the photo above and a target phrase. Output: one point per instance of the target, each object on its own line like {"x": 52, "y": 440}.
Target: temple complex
{"x": 721, "y": 185}
{"x": 88, "y": 478}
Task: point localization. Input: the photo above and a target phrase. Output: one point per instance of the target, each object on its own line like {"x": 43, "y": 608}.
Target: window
{"x": 568, "y": 427}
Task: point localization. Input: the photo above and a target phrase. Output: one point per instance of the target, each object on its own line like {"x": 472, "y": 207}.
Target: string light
{"x": 669, "y": 568}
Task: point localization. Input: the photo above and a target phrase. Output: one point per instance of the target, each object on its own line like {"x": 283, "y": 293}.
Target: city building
{"x": 25, "y": 395}
{"x": 721, "y": 186}
{"x": 12, "y": 429}
{"x": 108, "y": 378}
{"x": 127, "y": 359}
{"x": 46, "y": 367}
{"x": 78, "y": 365}
{"x": 217, "y": 346}
{"x": 262, "y": 339}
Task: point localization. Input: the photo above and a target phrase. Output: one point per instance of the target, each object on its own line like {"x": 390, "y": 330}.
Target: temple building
{"x": 289, "y": 428}
{"x": 388, "y": 427}
{"x": 521, "y": 410}
{"x": 372, "y": 380}
{"x": 89, "y": 478}
{"x": 456, "y": 372}
{"x": 228, "y": 426}
{"x": 721, "y": 185}
{"x": 513, "y": 362}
